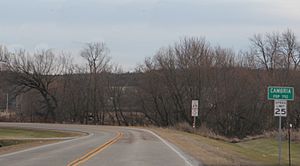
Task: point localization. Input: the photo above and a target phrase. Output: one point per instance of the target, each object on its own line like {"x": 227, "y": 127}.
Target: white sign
{"x": 280, "y": 108}
{"x": 195, "y": 104}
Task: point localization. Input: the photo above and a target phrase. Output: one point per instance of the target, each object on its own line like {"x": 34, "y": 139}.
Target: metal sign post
{"x": 280, "y": 95}
{"x": 195, "y": 109}
{"x": 290, "y": 127}
{"x": 280, "y": 142}
{"x": 280, "y": 110}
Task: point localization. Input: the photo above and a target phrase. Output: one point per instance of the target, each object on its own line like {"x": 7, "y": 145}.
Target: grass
{"x": 4, "y": 143}
{"x": 15, "y": 133}
{"x": 263, "y": 151}
{"x": 15, "y": 136}
{"x": 266, "y": 150}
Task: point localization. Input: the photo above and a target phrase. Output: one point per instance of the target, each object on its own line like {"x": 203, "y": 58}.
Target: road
{"x": 104, "y": 145}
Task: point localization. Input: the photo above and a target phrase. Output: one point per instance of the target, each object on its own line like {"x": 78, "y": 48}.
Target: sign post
{"x": 195, "y": 109}
{"x": 280, "y": 95}
{"x": 290, "y": 127}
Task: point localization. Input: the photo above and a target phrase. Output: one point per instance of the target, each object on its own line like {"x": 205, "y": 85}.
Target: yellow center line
{"x": 96, "y": 150}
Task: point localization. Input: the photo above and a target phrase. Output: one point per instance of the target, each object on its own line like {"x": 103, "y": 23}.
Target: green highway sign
{"x": 280, "y": 93}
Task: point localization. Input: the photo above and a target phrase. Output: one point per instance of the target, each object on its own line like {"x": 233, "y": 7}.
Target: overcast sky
{"x": 135, "y": 29}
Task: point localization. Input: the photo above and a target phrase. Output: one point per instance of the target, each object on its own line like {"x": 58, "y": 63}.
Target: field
{"x": 263, "y": 151}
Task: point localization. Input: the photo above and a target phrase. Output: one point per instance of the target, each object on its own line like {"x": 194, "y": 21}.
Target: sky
{"x": 135, "y": 29}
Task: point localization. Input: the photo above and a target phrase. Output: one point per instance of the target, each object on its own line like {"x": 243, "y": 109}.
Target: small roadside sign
{"x": 195, "y": 107}
{"x": 194, "y": 112}
{"x": 280, "y": 108}
{"x": 280, "y": 93}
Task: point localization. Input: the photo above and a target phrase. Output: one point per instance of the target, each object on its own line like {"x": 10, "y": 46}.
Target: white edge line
{"x": 44, "y": 146}
{"x": 168, "y": 144}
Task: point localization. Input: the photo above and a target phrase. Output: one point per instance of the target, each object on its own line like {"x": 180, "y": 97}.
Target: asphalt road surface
{"x": 103, "y": 146}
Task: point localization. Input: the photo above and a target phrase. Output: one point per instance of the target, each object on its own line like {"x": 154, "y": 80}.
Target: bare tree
{"x": 73, "y": 95}
{"x": 98, "y": 62}
{"x": 266, "y": 49}
{"x": 4, "y": 54}
{"x": 116, "y": 89}
{"x": 275, "y": 50}
{"x": 38, "y": 72}
{"x": 290, "y": 50}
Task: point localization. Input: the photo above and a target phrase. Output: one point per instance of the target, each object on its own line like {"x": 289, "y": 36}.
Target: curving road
{"x": 104, "y": 146}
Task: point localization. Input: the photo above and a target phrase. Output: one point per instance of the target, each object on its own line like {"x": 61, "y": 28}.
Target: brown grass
{"x": 256, "y": 150}
{"x": 295, "y": 134}
{"x": 206, "y": 150}
{"x": 203, "y": 131}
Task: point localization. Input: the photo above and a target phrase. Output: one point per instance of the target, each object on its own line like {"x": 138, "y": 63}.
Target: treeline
{"x": 231, "y": 87}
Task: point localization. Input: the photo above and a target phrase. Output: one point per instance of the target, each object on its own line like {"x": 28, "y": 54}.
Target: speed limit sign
{"x": 280, "y": 108}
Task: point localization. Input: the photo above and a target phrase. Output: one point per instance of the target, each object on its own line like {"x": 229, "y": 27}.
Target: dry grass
{"x": 203, "y": 131}
{"x": 295, "y": 135}
{"x": 209, "y": 151}
{"x": 254, "y": 151}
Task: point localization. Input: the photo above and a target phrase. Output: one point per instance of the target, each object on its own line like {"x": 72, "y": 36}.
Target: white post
{"x": 194, "y": 123}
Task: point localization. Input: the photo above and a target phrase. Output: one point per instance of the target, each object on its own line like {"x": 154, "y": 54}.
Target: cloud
{"x": 134, "y": 29}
